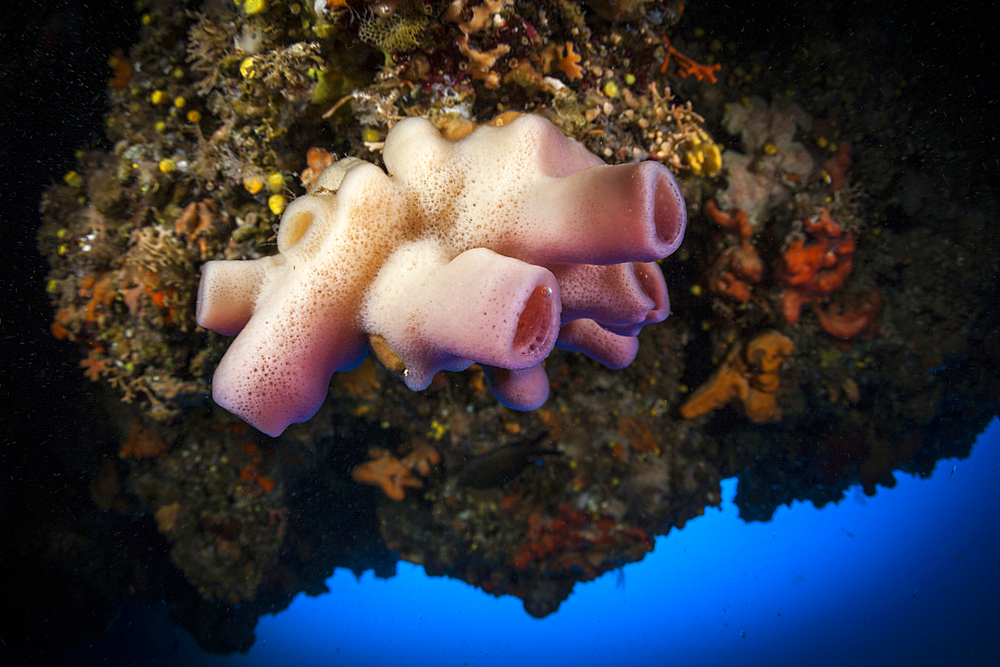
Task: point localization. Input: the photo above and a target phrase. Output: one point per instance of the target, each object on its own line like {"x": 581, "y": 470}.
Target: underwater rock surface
{"x": 827, "y": 207}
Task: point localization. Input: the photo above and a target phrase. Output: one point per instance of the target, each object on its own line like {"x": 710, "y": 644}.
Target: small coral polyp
{"x": 493, "y": 250}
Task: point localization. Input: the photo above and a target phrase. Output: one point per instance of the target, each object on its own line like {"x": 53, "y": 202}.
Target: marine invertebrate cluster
{"x": 739, "y": 266}
{"x": 749, "y": 375}
{"x": 394, "y": 475}
{"x": 687, "y": 66}
{"x": 851, "y": 316}
{"x": 486, "y": 250}
{"x": 773, "y": 164}
{"x": 570, "y": 541}
{"x": 818, "y": 269}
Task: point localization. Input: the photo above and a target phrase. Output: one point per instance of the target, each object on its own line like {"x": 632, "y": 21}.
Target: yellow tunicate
{"x": 696, "y": 290}
{"x": 630, "y": 79}
{"x": 822, "y": 142}
{"x": 703, "y": 156}
{"x": 694, "y": 159}
{"x": 275, "y": 182}
{"x": 167, "y": 165}
{"x": 370, "y": 134}
{"x": 437, "y": 430}
{"x": 159, "y": 97}
{"x": 52, "y": 286}
{"x": 161, "y": 126}
{"x": 770, "y": 149}
{"x": 73, "y": 179}
{"x": 247, "y": 69}
{"x": 611, "y": 89}
{"x": 255, "y": 6}
{"x": 277, "y": 204}
{"x": 193, "y": 116}
{"x": 712, "y": 162}
{"x": 147, "y": 19}
{"x": 179, "y": 102}
{"x": 177, "y": 73}
{"x": 254, "y": 184}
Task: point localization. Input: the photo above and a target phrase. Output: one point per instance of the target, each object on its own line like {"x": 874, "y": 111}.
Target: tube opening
{"x": 651, "y": 282}
{"x": 293, "y": 229}
{"x": 669, "y": 209}
{"x": 535, "y": 322}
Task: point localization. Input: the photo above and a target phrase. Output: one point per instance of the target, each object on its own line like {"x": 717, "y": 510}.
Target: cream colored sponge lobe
{"x": 493, "y": 250}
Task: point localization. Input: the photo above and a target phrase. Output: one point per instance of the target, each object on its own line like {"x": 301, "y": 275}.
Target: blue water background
{"x": 908, "y": 577}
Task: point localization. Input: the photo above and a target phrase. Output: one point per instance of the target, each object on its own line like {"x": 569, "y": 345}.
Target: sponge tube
{"x": 604, "y": 215}
{"x": 228, "y": 292}
{"x": 479, "y": 307}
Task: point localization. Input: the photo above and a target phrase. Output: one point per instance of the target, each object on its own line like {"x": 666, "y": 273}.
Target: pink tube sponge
{"x": 490, "y": 250}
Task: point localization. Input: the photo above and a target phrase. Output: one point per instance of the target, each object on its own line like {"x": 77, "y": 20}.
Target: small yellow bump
{"x": 630, "y": 79}
{"x": 254, "y": 184}
{"x": 277, "y": 204}
{"x": 194, "y": 116}
{"x": 73, "y": 179}
{"x": 247, "y": 69}
{"x": 770, "y": 149}
{"x": 822, "y": 142}
{"x": 52, "y": 286}
{"x": 62, "y": 233}
{"x": 159, "y": 97}
{"x": 147, "y": 19}
{"x": 177, "y": 73}
{"x": 370, "y": 134}
{"x": 275, "y": 182}
{"x": 63, "y": 249}
{"x": 167, "y": 165}
{"x": 611, "y": 89}
{"x": 161, "y": 127}
{"x": 255, "y": 6}
{"x": 437, "y": 428}
{"x": 180, "y": 102}
{"x": 696, "y": 290}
